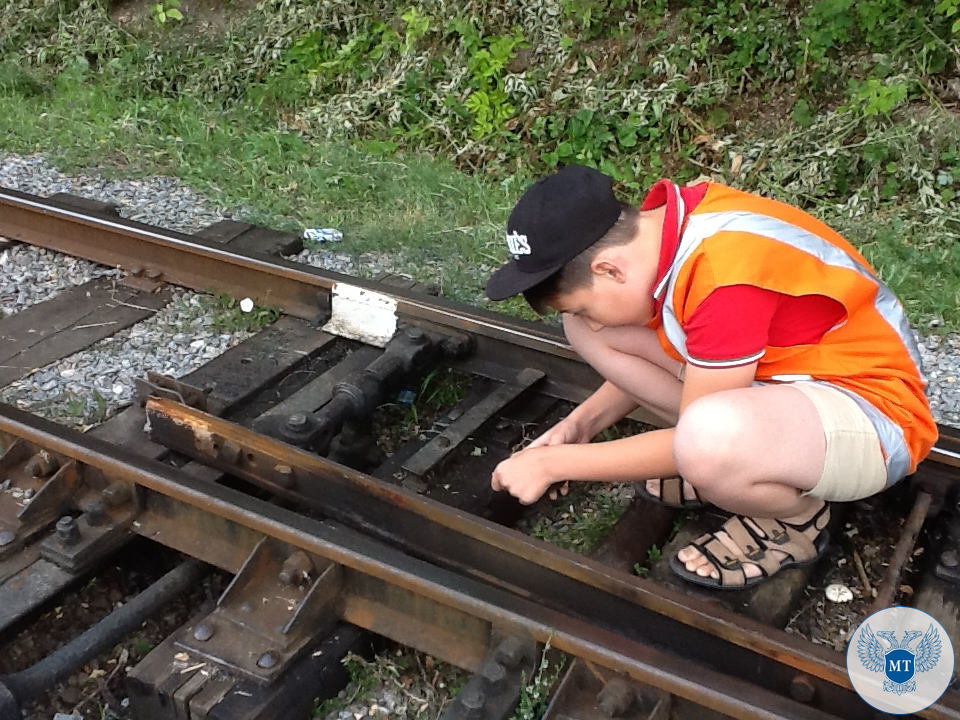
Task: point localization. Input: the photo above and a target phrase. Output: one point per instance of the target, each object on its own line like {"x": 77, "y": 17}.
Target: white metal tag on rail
{"x": 361, "y": 314}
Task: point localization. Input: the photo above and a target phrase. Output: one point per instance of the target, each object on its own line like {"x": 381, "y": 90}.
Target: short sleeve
{"x": 731, "y": 327}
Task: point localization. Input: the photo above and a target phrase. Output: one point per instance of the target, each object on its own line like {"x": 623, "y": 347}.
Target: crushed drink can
{"x": 322, "y": 235}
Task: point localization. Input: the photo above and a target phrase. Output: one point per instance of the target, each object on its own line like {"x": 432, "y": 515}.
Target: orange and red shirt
{"x": 746, "y": 279}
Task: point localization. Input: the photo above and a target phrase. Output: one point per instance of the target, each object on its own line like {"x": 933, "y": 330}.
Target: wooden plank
{"x": 244, "y": 237}
{"x": 32, "y": 586}
{"x": 267, "y": 242}
{"x": 233, "y": 377}
{"x": 59, "y": 327}
{"x": 223, "y": 231}
{"x": 85, "y": 205}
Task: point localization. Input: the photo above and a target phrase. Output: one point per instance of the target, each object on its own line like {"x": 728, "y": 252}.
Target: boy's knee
{"x": 707, "y": 439}
{"x": 577, "y": 331}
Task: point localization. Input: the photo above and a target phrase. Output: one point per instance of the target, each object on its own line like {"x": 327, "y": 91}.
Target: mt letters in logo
{"x": 900, "y": 660}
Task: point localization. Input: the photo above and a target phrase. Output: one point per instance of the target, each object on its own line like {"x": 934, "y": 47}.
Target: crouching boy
{"x": 784, "y": 369}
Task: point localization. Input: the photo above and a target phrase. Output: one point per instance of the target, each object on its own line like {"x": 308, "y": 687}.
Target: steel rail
{"x": 705, "y": 686}
{"x": 296, "y": 289}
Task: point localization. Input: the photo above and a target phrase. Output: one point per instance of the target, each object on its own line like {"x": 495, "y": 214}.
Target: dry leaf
{"x": 736, "y": 164}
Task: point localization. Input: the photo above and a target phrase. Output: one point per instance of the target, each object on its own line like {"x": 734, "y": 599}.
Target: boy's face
{"x": 607, "y": 302}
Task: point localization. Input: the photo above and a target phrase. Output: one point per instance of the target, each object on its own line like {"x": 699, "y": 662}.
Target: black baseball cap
{"x": 556, "y": 219}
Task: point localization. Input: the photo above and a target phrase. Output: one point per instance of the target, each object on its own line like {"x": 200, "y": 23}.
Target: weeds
{"x": 230, "y": 317}
{"x": 411, "y": 684}
{"x": 166, "y": 11}
{"x": 581, "y": 520}
{"x": 535, "y": 694}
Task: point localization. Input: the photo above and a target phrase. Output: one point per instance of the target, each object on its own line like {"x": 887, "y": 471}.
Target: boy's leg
{"x": 756, "y": 451}
{"x": 631, "y": 358}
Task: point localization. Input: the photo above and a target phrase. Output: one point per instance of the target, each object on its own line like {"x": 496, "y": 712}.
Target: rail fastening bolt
{"x": 267, "y": 660}
{"x": 414, "y": 333}
{"x": 203, "y": 632}
{"x": 473, "y": 698}
{"x": 949, "y": 558}
{"x": 285, "y": 477}
{"x": 42, "y": 465}
{"x": 116, "y": 494}
{"x": 494, "y": 674}
{"x": 616, "y": 697}
{"x": 297, "y": 421}
{"x": 509, "y": 652}
{"x": 802, "y": 689}
{"x": 7, "y": 537}
{"x": 95, "y": 512}
{"x": 67, "y": 530}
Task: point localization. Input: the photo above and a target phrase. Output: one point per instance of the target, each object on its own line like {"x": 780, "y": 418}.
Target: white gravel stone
{"x": 29, "y": 275}
{"x": 91, "y": 385}
{"x": 365, "y": 265}
{"x": 838, "y": 593}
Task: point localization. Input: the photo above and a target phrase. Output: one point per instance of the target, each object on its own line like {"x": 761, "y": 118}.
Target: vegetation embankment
{"x": 413, "y": 125}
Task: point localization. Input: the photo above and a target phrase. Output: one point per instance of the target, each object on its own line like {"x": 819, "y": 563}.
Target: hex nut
{"x": 203, "y": 632}
{"x": 267, "y": 660}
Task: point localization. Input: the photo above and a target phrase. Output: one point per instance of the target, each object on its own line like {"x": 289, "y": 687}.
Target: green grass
{"x": 414, "y": 129}
{"x": 422, "y": 215}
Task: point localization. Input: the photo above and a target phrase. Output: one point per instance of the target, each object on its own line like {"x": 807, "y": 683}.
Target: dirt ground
{"x": 205, "y": 17}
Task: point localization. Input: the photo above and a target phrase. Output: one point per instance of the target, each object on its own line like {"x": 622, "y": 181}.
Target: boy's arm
{"x": 603, "y": 408}
{"x": 529, "y": 473}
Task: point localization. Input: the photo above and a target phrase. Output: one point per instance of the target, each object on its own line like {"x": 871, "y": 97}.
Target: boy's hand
{"x": 525, "y": 475}
{"x": 565, "y": 432}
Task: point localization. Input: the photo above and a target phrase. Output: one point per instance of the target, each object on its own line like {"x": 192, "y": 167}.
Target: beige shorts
{"x": 854, "y": 466}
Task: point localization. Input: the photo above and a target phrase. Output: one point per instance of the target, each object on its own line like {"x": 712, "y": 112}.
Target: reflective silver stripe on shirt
{"x": 702, "y": 226}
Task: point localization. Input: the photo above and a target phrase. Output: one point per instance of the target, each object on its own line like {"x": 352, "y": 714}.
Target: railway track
{"x": 264, "y": 463}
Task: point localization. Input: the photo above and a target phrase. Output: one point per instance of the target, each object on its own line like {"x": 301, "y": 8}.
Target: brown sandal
{"x": 755, "y": 537}
{"x": 673, "y": 494}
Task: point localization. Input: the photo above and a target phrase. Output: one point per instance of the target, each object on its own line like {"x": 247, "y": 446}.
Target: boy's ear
{"x": 607, "y": 267}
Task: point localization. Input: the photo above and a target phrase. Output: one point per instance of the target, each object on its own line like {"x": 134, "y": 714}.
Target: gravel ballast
{"x": 31, "y": 274}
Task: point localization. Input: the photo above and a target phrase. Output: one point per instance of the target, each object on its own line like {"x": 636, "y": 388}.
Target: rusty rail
{"x": 203, "y": 265}
{"x": 372, "y": 567}
{"x": 377, "y": 578}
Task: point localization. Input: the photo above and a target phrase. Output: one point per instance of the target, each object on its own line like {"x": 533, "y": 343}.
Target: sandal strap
{"x": 671, "y": 490}
{"x": 786, "y": 538}
{"x": 730, "y": 568}
{"x": 752, "y": 547}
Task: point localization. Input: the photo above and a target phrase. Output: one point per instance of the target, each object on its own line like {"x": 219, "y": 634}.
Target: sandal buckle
{"x": 754, "y": 553}
{"x": 780, "y": 537}
{"x": 730, "y": 563}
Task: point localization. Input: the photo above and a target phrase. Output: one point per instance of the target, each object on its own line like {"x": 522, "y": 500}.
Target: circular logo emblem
{"x": 900, "y": 660}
